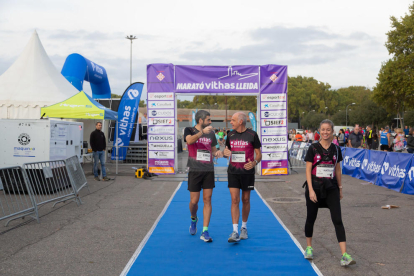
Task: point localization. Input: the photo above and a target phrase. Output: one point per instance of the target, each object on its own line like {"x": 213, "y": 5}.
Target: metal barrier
{"x": 16, "y": 197}
{"x": 50, "y": 181}
{"x": 77, "y": 175}
{"x": 297, "y": 155}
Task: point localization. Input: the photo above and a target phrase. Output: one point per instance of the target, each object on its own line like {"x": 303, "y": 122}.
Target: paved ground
{"x": 99, "y": 237}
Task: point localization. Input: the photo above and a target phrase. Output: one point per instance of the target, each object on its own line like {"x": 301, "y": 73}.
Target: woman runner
{"x": 324, "y": 188}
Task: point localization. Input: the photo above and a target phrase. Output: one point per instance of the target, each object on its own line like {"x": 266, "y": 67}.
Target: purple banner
{"x": 160, "y": 78}
{"x": 273, "y": 79}
{"x": 216, "y": 79}
{"x": 275, "y": 164}
{"x": 160, "y": 163}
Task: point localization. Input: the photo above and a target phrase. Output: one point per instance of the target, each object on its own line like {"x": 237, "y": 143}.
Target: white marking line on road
{"x": 318, "y": 272}
{"x": 148, "y": 235}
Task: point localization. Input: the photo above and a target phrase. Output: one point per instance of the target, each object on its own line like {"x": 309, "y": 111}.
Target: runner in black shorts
{"x": 241, "y": 146}
{"x": 201, "y": 143}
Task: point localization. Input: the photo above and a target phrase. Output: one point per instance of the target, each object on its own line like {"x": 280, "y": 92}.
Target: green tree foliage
{"x": 115, "y": 96}
{"x": 142, "y": 103}
{"x": 395, "y": 87}
{"x": 312, "y": 120}
{"x": 233, "y": 102}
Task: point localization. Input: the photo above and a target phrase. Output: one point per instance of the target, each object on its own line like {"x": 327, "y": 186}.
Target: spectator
{"x": 298, "y": 137}
{"x": 317, "y": 136}
{"x": 346, "y": 135}
{"x": 399, "y": 140}
{"x": 375, "y": 142}
{"x": 385, "y": 140}
{"x": 310, "y": 136}
{"x": 355, "y": 138}
{"x": 335, "y": 140}
{"x": 341, "y": 138}
{"x": 410, "y": 141}
{"x": 98, "y": 145}
{"x": 304, "y": 138}
{"x": 292, "y": 134}
{"x": 406, "y": 130}
{"x": 368, "y": 137}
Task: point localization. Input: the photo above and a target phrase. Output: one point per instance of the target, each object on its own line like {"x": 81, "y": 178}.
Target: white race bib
{"x": 203, "y": 155}
{"x": 324, "y": 170}
{"x": 238, "y": 157}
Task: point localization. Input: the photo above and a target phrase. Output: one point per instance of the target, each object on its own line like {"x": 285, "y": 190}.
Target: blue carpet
{"x": 171, "y": 250}
{"x": 221, "y": 162}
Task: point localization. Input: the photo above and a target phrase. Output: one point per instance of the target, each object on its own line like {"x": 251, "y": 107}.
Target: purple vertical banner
{"x": 160, "y": 77}
{"x": 273, "y": 119}
{"x": 161, "y": 119}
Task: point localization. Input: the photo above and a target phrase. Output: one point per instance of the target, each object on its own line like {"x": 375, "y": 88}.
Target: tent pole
{"x": 117, "y": 146}
{"x": 103, "y": 129}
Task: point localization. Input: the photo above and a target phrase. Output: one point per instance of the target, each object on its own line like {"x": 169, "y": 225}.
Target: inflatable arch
{"x": 78, "y": 68}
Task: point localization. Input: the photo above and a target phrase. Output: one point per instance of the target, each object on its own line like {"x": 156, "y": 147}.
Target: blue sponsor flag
{"x": 193, "y": 119}
{"x": 253, "y": 120}
{"x": 352, "y": 161}
{"x": 394, "y": 170}
{"x": 409, "y": 180}
{"x": 371, "y": 165}
{"x": 127, "y": 110}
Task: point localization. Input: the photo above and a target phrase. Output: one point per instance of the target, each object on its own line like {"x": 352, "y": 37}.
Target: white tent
{"x": 32, "y": 82}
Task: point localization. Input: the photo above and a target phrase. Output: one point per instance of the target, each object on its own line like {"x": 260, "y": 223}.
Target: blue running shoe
{"x": 206, "y": 237}
{"x": 193, "y": 227}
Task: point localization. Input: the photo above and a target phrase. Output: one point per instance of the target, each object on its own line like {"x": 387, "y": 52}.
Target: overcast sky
{"x": 338, "y": 42}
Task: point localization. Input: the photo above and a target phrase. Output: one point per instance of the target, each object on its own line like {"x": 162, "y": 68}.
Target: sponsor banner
{"x": 161, "y": 96}
{"x": 253, "y": 121}
{"x": 394, "y": 170}
{"x": 161, "y": 122}
{"x": 161, "y": 113}
{"x": 166, "y": 170}
{"x": 274, "y": 114}
{"x": 274, "y": 139}
{"x": 127, "y": 110}
{"x": 160, "y": 104}
{"x": 160, "y": 163}
{"x": 274, "y": 131}
{"x": 273, "y": 148}
{"x": 161, "y": 154}
{"x": 274, "y": 164}
{"x": 161, "y": 138}
{"x": 273, "y": 79}
{"x": 371, "y": 165}
{"x": 274, "y": 171}
{"x": 272, "y": 105}
{"x": 274, "y": 156}
{"x": 273, "y": 97}
{"x": 161, "y": 146}
{"x": 273, "y": 122}
{"x": 207, "y": 79}
{"x": 352, "y": 161}
{"x": 160, "y": 130}
{"x": 160, "y": 77}
{"x": 409, "y": 180}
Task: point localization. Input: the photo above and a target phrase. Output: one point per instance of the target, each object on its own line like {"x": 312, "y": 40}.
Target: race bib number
{"x": 238, "y": 157}
{"x": 203, "y": 155}
{"x": 324, "y": 170}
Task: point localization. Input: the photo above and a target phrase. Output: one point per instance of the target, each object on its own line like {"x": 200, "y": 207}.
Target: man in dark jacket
{"x": 98, "y": 145}
{"x": 410, "y": 141}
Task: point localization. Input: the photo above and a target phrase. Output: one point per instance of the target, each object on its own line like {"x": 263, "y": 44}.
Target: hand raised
{"x": 207, "y": 130}
{"x": 227, "y": 152}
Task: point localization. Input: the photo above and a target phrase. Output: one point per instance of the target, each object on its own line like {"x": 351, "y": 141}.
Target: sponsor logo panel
{"x": 161, "y": 154}
{"x": 160, "y": 104}
{"x": 273, "y": 105}
{"x": 161, "y": 170}
{"x": 161, "y": 146}
{"x": 161, "y": 113}
{"x": 274, "y": 171}
{"x": 160, "y": 130}
{"x": 161, "y": 163}
{"x": 161, "y": 96}
{"x": 274, "y": 139}
{"x": 273, "y": 97}
{"x": 274, "y": 156}
{"x": 273, "y": 122}
{"x": 161, "y": 121}
{"x": 274, "y": 131}
{"x": 274, "y": 164}
{"x": 274, "y": 114}
{"x": 161, "y": 138}
{"x": 272, "y": 148}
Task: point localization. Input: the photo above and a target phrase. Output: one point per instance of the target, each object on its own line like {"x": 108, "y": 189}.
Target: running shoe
{"x": 206, "y": 237}
{"x": 97, "y": 178}
{"x": 193, "y": 227}
{"x": 234, "y": 237}
{"x": 243, "y": 234}
{"x": 309, "y": 253}
{"x": 106, "y": 178}
{"x": 347, "y": 260}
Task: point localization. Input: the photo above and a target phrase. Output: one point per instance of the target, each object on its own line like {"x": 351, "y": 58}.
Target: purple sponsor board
{"x": 161, "y": 163}
{"x": 274, "y": 164}
{"x": 273, "y": 79}
{"x": 160, "y": 78}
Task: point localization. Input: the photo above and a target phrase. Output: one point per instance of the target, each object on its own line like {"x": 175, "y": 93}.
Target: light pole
{"x": 346, "y": 113}
{"x": 131, "y": 37}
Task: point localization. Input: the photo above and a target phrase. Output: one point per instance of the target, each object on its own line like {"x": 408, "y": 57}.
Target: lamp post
{"x": 346, "y": 114}
{"x": 131, "y": 37}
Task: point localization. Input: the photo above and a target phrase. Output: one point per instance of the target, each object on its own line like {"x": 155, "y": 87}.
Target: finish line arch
{"x": 268, "y": 82}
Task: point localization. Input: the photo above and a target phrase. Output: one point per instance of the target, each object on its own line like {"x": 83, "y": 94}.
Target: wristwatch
{"x": 256, "y": 162}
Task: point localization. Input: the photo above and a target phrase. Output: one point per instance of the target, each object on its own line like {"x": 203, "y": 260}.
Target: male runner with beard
{"x": 201, "y": 143}
{"x": 241, "y": 146}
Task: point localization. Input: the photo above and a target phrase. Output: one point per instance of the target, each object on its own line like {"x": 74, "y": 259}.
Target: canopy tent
{"x": 32, "y": 82}
{"x": 80, "y": 106}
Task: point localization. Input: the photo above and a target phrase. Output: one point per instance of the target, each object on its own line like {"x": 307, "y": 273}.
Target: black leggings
{"x": 332, "y": 201}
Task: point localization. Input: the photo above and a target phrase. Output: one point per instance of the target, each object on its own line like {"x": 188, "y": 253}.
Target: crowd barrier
{"x": 26, "y": 188}
{"x": 296, "y": 156}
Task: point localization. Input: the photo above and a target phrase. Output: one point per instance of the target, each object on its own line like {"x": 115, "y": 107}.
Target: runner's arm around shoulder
{"x": 309, "y": 175}
{"x": 191, "y": 139}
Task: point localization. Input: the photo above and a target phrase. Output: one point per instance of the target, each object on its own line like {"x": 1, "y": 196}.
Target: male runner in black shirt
{"x": 201, "y": 144}
{"x": 241, "y": 146}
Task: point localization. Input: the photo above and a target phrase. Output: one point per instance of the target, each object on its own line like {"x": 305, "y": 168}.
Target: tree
{"x": 233, "y": 102}
{"x": 142, "y": 103}
{"x": 312, "y": 120}
{"x": 395, "y": 87}
{"x": 115, "y": 96}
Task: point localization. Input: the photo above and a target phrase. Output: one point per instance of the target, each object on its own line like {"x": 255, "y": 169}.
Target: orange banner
{"x": 161, "y": 169}
{"x": 274, "y": 171}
